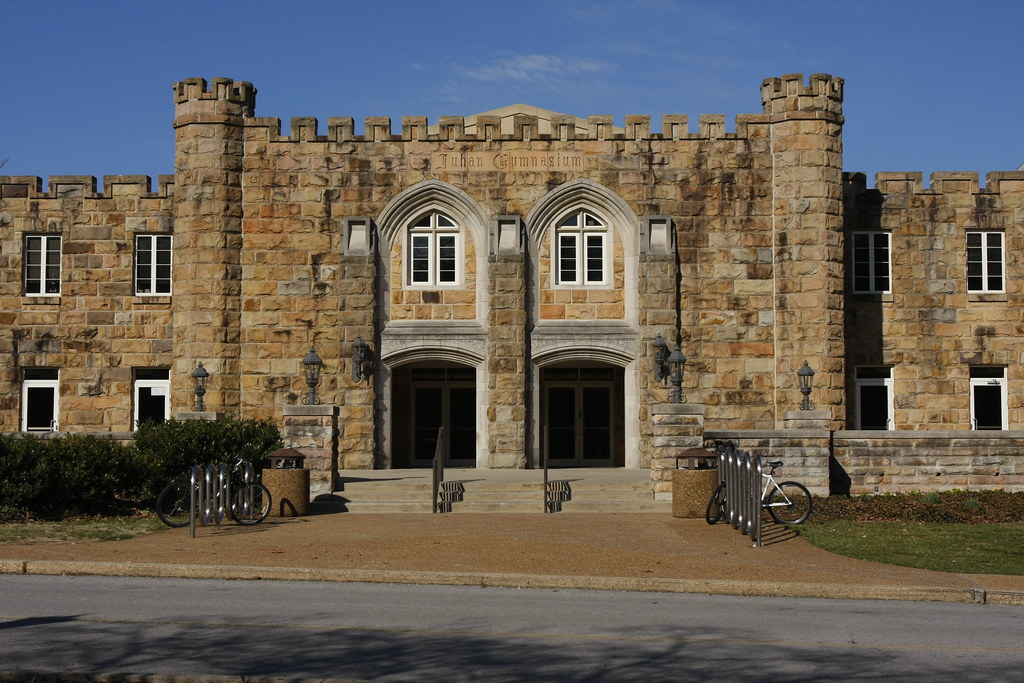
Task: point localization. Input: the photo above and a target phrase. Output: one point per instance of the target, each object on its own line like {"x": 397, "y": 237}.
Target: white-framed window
{"x": 42, "y": 265}
{"x": 152, "y": 395}
{"x": 40, "y": 391}
{"x": 152, "y": 265}
{"x": 874, "y": 394}
{"x": 985, "y": 262}
{"x": 582, "y": 250}
{"x": 988, "y": 398}
{"x": 872, "y": 267}
{"x": 435, "y": 252}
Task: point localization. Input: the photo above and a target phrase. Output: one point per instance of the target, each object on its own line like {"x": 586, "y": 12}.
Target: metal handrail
{"x": 438, "y": 470}
{"x": 741, "y": 473}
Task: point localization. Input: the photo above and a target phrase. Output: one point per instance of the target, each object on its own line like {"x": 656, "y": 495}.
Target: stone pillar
{"x": 677, "y": 427}
{"x": 807, "y": 158}
{"x": 207, "y": 243}
{"x": 658, "y": 313}
{"x": 357, "y": 283}
{"x": 506, "y": 345}
{"x": 313, "y": 430}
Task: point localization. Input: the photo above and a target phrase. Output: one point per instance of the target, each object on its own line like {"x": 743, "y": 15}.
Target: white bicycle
{"x": 788, "y": 502}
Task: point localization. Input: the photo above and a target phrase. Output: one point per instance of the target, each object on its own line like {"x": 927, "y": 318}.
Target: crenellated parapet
{"x": 195, "y": 94}
{"x": 525, "y": 128}
{"x": 787, "y": 95}
{"x": 945, "y": 183}
{"x": 84, "y": 187}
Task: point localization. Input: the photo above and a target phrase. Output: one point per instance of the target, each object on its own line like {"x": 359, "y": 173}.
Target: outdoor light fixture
{"x": 660, "y": 356}
{"x": 312, "y": 365}
{"x": 362, "y": 359}
{"x": 676, "y": 363}
{"x": 199, "y": 378}
{"x": 806, "y": 375}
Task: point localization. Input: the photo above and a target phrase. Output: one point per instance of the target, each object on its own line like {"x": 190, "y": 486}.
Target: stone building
{"x": 509, "y": 272}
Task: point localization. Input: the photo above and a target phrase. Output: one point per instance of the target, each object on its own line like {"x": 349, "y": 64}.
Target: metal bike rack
{"x": 210, "y": 493}
{"x": 741, "y": 473}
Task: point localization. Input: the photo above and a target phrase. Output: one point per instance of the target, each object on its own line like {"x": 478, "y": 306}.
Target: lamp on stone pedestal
{"x": 362, "y": 359}
{"x": 806, "y": 375}
{"x": 311, "y": 366}
{"x": 199, "y": 379}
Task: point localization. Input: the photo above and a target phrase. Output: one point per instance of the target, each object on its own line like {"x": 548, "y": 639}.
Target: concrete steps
{"x": 484, "y": 491}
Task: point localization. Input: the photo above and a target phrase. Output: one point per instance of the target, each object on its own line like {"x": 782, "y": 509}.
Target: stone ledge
{"x": 326, "y": 410}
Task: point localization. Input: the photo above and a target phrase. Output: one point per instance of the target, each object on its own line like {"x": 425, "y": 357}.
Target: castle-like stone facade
{"x": 509, "y": 272}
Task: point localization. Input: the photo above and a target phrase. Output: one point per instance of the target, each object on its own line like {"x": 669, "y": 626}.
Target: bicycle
{"x": 787, "y": 502}
{"x": 250, "y": 501}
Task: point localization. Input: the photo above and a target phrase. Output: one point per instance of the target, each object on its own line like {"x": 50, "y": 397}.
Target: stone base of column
{"x": 806, "y": 419}
{"x": 313, "y": 430}
{"x": 191, "y": 415}
{"x": 677, "y": 428}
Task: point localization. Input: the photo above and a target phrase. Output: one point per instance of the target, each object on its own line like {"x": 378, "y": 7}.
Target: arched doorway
{"x": 582, "y": 415}
{"x": 427, "y": 395}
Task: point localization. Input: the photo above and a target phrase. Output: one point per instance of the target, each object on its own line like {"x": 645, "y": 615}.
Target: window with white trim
{"x": 985, "y": 262}
{"x": 152, "y": 394}
{"x": 988, "y": 398}
{"x": 152, "y": 265}
{"x": 874, "y": 394}
{"x": 581, "y": 250}
{"x": 40, "y": 391}
{"x": 871, "y": 262}
{"x": 42, "y": 265}
{"x": 435, "y": 252}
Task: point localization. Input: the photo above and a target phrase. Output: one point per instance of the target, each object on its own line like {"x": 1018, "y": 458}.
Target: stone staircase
{"x": 515, "y": 491}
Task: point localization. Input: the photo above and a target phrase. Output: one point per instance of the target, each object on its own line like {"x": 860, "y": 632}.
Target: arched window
{"x": 435, "y": 252}
{"x": 582, "y": 246}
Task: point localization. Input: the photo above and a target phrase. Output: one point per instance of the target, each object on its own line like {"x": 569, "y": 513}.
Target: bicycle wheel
{"x": 250, "y": 504}
{"x": 789, "y": 503}
{"x": 172, "y": 505}
{"x": 715, "y": 511}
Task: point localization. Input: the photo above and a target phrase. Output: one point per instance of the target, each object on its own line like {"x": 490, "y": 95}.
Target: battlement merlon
{"x": 222, "y": 97}
{"x": 948, "y": 183}
{"x": 823, "y": 95}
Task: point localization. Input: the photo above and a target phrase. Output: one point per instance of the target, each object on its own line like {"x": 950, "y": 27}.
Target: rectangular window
{"x": 39, "y": 395}
{"x": 152, "y": 395}
{"x": 42, "y": 265}
{"x": 988, "y": 398}
{"x": 152, "y": 265}
{"x": 575, "y": 268}
{"x": 984, "y": 262}
{"x": 434, "y": 259}
{"x": 871, "y": 262}
{"x": 874, "y": 403}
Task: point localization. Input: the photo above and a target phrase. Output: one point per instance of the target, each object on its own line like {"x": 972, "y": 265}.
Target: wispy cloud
{"x": 531, "y": 68}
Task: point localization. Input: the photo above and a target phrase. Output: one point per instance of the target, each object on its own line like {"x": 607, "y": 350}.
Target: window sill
{"x": 159, "y": 299}
{"x": 993, "y": 297}
{"x": 50, "y": 300}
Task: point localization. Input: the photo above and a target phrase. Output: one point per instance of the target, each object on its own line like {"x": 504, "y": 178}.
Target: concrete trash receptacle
{"x": 288, "y": 483}
{"x": 693, "y": 485}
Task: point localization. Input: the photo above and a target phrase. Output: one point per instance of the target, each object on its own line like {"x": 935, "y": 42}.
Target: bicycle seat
{"x": 774, "y": 463}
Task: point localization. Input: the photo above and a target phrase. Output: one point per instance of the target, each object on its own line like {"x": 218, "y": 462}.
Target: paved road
{"x": 397, "y": 632}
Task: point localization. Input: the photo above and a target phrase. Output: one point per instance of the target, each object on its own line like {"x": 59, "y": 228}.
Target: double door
{"x": 454, "y": 407}
{"x": 580, "y": 426}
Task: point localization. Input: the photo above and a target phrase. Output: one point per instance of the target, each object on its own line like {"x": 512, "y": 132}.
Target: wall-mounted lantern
{"x": 199, "y": 379}
{"x": 311, "y": 366}
{"x": 806, "y": 375}
{"x": 676, "y": 363}
{"x": 362, "y": 359}
{"x": 660, "y": 357}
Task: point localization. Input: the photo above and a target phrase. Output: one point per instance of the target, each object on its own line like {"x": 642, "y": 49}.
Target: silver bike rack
{"x": 741, "y": 473}
{"x": 210, "y": 493}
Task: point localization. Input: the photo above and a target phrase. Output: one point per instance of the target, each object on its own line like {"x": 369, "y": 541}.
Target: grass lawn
{"x": 101, "y": 529}
{"x": 959, "y": 548}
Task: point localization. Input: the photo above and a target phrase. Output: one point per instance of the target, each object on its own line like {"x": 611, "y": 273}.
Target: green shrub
{"x": 931, "y": 498}
{"x": 171, "y": 448}
{"x": 53, "y": 478}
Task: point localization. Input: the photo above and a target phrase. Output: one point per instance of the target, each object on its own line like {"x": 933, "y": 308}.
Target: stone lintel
{"x": 677, "y": 409}
{"x": 191, "y": 415}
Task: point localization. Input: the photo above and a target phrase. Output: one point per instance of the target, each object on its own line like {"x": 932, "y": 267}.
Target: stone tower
{"x": 806, "y": 144}
{"x": 209, "y": 148}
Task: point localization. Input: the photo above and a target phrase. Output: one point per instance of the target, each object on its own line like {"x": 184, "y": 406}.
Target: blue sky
{"x": 930, "y": 86}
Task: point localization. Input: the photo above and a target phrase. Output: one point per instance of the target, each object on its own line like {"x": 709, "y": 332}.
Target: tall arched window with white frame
{"x": 582, "y": 246}
{"x": 435, "y": 252}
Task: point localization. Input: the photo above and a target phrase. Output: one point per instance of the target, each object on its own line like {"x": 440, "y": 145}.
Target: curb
{"x": 708, "y": 586}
